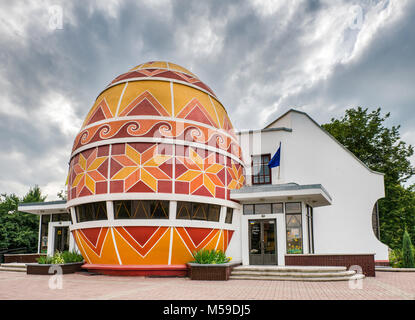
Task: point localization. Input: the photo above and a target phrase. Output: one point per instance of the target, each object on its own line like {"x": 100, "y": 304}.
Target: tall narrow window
{"x": 310, "y": 229}
{"x": 261, "y": 173}
{"x": 294, "y": 228}
{"x": 229, "y": 215}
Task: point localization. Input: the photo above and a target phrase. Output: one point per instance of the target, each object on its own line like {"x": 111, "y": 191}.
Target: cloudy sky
{"x": 261, "y": 57}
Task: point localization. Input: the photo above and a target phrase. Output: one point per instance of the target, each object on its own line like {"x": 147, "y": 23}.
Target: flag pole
{"x": 279, "y": 167}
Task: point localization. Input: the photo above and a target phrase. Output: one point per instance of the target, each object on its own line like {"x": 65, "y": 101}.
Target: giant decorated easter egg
{"x": 151, "y": 171}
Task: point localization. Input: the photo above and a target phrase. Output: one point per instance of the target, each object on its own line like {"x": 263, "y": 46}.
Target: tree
{"x": 407, "y": 252}
{"x": 34, "y": 195}
{"x": 381, "y": 149}
{"x": 19, "y": 229}
{"x": 62, "y": 195}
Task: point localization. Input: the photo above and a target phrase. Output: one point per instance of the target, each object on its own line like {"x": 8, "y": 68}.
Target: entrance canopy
{"x": 313, "y": 194}
{"x": 40, "y": 208}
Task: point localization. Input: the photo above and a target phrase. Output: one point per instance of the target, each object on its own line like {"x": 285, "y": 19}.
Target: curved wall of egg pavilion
{"x": 151, "y": 172}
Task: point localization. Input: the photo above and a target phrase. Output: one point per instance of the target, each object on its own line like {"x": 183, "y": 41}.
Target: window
{"x": 141, "y": 209}
{"x": 261, "y": 173}
{"x": 229, "y": 215}
{"x": 61, "y": 217}
{"x": 294, "y": 227}
{"x": 277, "y": 208}
{"x": 263, "y": 208}
{"x": 293, "y": 207}
{"x": 248, "y": 209}
{"x": 44, "y": 224}
{"x": 91, "y": 211}
{"x": 198, "y": 211}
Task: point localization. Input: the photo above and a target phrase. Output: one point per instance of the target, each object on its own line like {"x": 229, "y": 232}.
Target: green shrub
{"x": 395, "y": 258}
{"x": 407, "y": 251}
{"x": 44, "y": 260}
{"x": 213, "y": 256}
{"x": 60, "y": 258}
{"x": 69, "y": 257}
{"x": 57, "y": 258}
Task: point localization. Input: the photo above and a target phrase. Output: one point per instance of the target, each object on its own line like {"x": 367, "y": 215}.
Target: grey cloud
{"x": 255, "y": 56}
{"x": 382, "y": 77}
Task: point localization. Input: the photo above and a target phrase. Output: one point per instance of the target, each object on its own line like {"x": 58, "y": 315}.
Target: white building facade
{"x": 320, "y": 200}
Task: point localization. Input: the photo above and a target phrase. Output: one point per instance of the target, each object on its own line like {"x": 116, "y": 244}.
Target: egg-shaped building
{"x": 151, "y": 171}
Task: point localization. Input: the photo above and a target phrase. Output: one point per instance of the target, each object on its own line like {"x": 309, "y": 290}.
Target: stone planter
{"x": 22, "y": 258}
{"x": 36, "y": 268}
{"x": 216, "y": 272}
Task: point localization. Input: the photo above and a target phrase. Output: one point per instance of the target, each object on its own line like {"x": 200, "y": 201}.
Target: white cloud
{"x": 57, "y": 109}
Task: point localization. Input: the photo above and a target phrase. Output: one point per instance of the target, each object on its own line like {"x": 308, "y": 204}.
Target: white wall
{"x": 311, "y": 156}
{"x": 234, "y": 249}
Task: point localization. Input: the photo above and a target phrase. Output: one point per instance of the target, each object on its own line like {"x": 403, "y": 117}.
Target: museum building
{"x": 157, "y": 172}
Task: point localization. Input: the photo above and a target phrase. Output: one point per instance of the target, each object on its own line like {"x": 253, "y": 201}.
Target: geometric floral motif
{"x": 149, "y": 167}
{"x": 139, "y": 168}
{"x": 236, "y": 174}
{"x": 88, "y": 170}
{"x": 201, "y": 172}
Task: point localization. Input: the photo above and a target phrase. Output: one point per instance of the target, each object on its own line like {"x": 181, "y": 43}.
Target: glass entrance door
{"x": 262, "y": 242}
{"x": 61, "y": 239}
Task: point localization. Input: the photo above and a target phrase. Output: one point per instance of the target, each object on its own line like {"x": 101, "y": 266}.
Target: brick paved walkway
{"x": 386, "y": 285}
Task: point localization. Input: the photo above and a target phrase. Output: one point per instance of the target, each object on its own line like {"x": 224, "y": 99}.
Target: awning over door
{"x": 313, "y": 194}
{"x": 43, "y": 207}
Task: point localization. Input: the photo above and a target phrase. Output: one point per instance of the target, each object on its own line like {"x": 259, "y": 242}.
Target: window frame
{"x": 271, "y": 204}
{"x": 85, "y": 206}
{"x": 301, "y": 227}
{"x": 262, "y": 163}
{"x": 192, "y": 211}
{"x": 229, "y": 213}
{"x": 165, "y": 206}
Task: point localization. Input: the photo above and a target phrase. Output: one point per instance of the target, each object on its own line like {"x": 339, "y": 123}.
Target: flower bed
{"x": 210, "y": 265}
{"x": 217, "y": 272}
{"x": 49, "y": 269}
{"x": 61, "y": 262}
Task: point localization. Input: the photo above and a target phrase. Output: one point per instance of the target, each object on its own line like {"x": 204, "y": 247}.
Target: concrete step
{"x": 310, "y": 279}
{"x": 268, "y": 274}
{"x": 12, "y": 269}
{"x": 14, "y": 265}
{"x": 301, "y": 269}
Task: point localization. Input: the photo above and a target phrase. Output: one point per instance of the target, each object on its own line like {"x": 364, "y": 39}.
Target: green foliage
{"x": 213, "y": 256}
{"x": 407, "y": 252}
{"x": 19, "y": 229}
{"x": 44, "y": 260}
{"x": 57, "y": 258}
{"x": 397, "y": 213}
{"x": 382, "y": 150}
{"x": 395, "y": 258}
{"x": 60, "y": 258}
{"x": 62, "y": 195}
{"x": 72, "y": 256}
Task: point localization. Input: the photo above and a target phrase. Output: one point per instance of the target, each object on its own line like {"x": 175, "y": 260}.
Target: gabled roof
{"x": 321, "y": 128}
